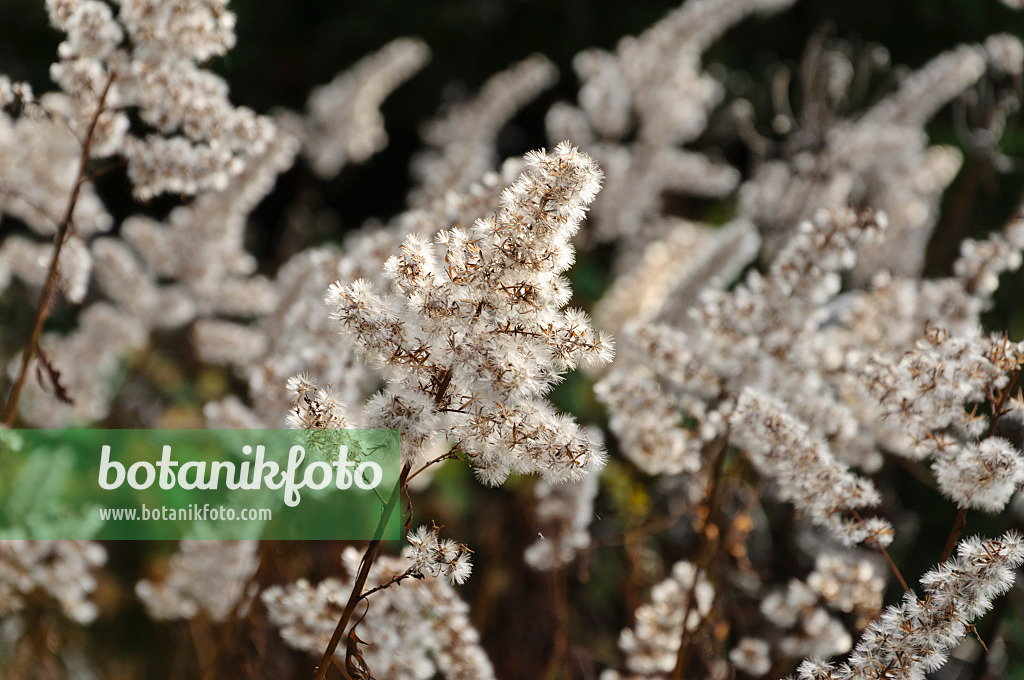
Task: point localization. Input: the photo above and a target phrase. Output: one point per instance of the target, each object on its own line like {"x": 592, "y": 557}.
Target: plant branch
{"x": 954, "y": 534}
{"x": 557, "y": 664}
{"x": 450, "y": 455}
{"x": 707, "y": 549}
{"x": 895, "y": 569}
{"x": 998, "y": 409}
{"x": 65, "y": 228}
{"x": 888, "y": 558}
{"x": 408, "y": 573}
{"x": 360, "y": 580}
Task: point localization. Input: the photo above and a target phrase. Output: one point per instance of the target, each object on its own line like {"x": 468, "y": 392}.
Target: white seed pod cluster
{"x": 419, "y": 629}
{"x": 432, "y": 555}
{"x": 471, "y": 338}
{"x": 916, "y": 636}
{"x": 202, "y": 576}
{"x": 63, "y": 570}
{"x": 652, "y": 644}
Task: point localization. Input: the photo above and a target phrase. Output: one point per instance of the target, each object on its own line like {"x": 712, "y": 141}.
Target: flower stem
{"x": 65, "y": 228}
{"x": 360, "y": 581}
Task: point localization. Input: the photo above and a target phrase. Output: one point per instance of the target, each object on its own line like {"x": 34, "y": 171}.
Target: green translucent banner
{"x": 199, "y": 484}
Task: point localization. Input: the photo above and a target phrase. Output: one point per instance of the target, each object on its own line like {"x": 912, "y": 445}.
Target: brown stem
{"x": 35, "y": 205}
{"x": 888, "y": 558}
{"x": 454, "y": 453}
{"x": 408, "y": 573}
{"x": 960, "y": 523}
{"x": 64, "y": 231}
{"x": 954, "y": 534}
{"x": 999, "y": 409}
{"x": 557, "y": 665}
{"x": 227, "y": 629}
{"x": 357, "y": 586}
{"x": 895, "y": 569}
{"x": 200, "y": 631}
{"x": 706, "y": 553}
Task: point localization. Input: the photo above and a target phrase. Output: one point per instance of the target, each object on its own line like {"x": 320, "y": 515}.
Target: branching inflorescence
{"x": 472, "y": 338}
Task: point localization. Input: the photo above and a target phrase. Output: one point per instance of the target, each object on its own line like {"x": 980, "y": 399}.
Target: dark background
{"x": 285, "y": 48}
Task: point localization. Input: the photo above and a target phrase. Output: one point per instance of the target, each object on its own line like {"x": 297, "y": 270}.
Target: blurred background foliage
{"x": 287, "y": 47}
